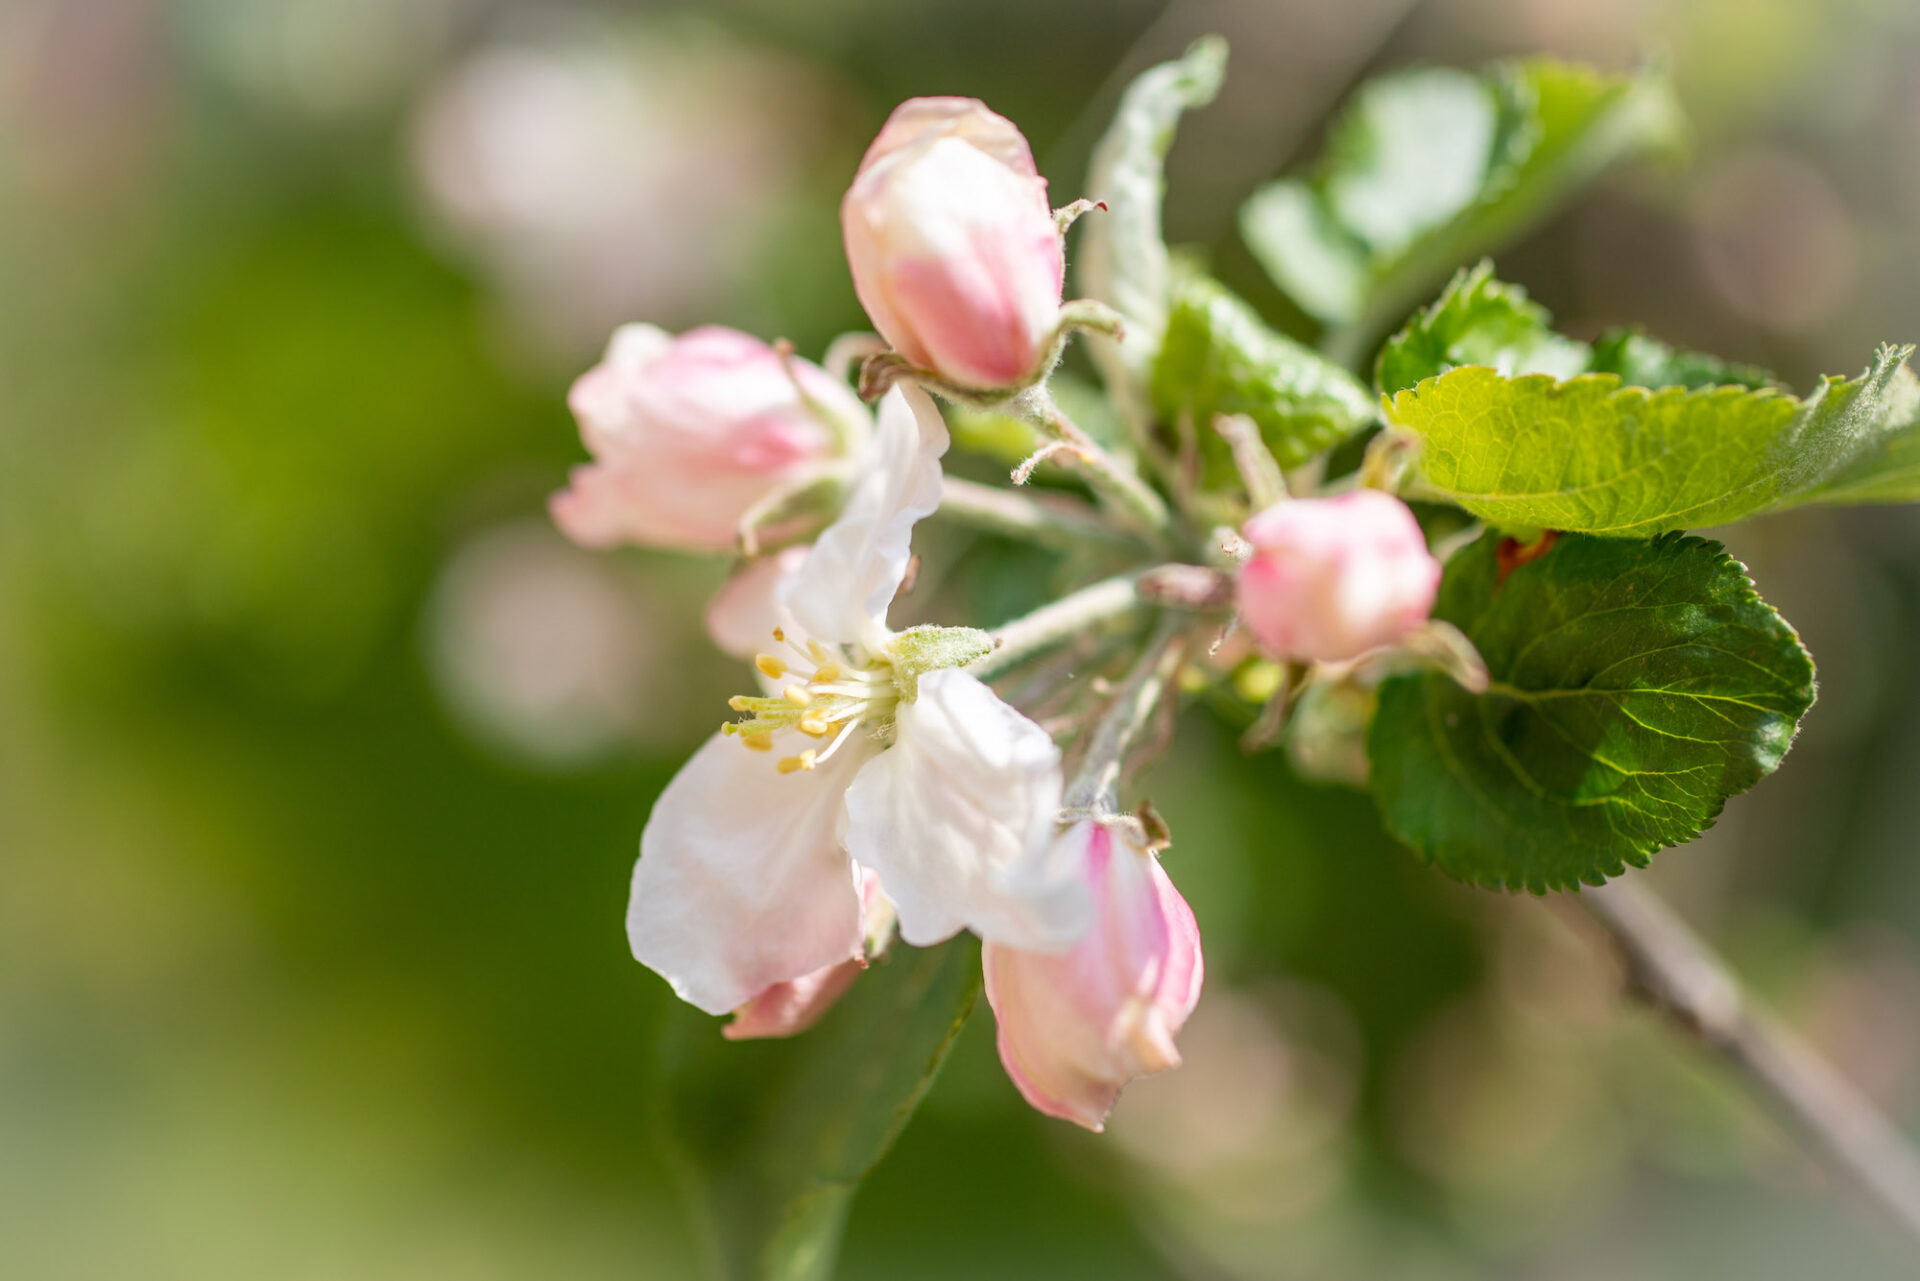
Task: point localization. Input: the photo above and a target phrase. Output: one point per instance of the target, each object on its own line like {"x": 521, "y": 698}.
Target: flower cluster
{"x": 874, "y": 782}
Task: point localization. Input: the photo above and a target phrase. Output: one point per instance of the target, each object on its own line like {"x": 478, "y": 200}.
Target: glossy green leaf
{"x": 1635, "y": 686}
{"x": 1594, "y": 456}
{"x": 773, "y": 1137}
{"x": 1641, "y": 361}
{"x": 1122, "y": 259}
{"x": 1478, "y": 320}
{"x": 1221, "y": 358}
{"x": 1428, "y": 169}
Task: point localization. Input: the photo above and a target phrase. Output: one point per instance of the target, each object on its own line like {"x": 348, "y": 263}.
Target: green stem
{"x": 1097, "y": 784}
{"x": 1074, "y": 615}
{"x": 1111, "y": 478}
{"x": 1054, "y": 520}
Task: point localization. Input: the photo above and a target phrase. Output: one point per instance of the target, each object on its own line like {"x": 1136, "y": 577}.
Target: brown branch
{"x": 1678, "y": 974}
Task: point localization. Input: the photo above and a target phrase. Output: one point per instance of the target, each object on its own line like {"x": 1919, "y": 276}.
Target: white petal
{"x": 842, "y": 590}
{"x": 742, "y": 882}
{"x": 958, "y": 818}
{"x": 743, "y": 613}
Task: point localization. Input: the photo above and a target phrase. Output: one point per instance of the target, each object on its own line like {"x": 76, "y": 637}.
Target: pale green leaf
{"x": 1429, "y": 169}
{"x": 1594, "y": 456}
{"x": 1888, "y": 473}
{"x": 1221, "y": 358}
{"x": 1478, "y": 320}
{"x": 1122, "y": 259}
{"x": 1634, "y": 687}
{"x": 1644, "y": 362}
{"x": 772, "y": 1138}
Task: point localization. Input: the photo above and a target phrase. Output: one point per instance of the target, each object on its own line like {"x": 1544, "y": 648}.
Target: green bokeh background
{"x": 323, "y": 761}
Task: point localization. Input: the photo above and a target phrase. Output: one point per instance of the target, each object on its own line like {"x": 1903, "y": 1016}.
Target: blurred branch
{"x": 1678, "y": 974}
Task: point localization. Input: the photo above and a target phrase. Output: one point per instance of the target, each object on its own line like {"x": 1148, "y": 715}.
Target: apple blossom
{"x": 1076, "y": 1026}
{"x": 1331, "y": 578}
{"x": 751, "y": 862}
{"x": 690, "y": 435}
{"x": 954, "y": 251}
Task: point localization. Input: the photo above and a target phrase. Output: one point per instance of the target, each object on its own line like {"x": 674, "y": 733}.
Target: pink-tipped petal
{"x": 743, "y": 613}
{"x": 792, "y": 1007}
{"x": 785, "y": 1009}
{"x": 1076, "y": 1026}
{"x": 689, "y": 434}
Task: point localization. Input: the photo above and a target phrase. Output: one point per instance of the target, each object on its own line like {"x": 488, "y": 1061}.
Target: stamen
{"x": 757, "y": 742}
{"x": 780, "y": 635}
{"x": 846, "y": 732}
{"x": 790, "y": 764}
{"x": 819, "y": 651}
{"x": 798, "y": 695}
{"x": 814, "y": 725}
{"x": 770, "y": 667}
{"x": 826, "y": 673}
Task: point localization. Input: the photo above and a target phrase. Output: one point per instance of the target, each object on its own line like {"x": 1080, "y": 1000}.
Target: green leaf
{"x": 1429, "y": 169}
{"x": 1887, "y": 473}
{"x": 1221, "y": 358}
{"x": 1643, "y": 362}
{"x": 1123, "y": 258}
{"x": 1594, "y": 456}
{"x": 773, "y": 1137}
{"x": 1635, "y": 686}
{"x": 1478, "y": 321}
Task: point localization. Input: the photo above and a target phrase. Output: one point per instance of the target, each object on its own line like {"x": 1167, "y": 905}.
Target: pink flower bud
{"x": 952, "y": 244}
{"x": 1076, "y": 1026}
{"x": 1331, "y": 578}
{"x": 689, "y": 433}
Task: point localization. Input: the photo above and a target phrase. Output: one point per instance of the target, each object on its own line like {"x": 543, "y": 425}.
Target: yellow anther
{"x": 770, "y": 667}
{"x": 758, "y": 742}
{"x": 827, "y": 673}
{"x": 814, "y": 724}
{"x": 789, "y": 764}
{"x": 780, "y": 635}
{"x": 818, "y": 650}
{"x": 798, "y": 695}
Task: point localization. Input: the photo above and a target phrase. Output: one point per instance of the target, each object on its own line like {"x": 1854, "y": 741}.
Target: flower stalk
{"x": 1097, "y": 784}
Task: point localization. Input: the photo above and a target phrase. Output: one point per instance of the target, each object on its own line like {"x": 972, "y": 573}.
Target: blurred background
{"x": 323, "y": 758}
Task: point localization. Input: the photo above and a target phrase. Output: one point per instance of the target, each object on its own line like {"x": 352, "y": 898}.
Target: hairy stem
{"x": 1113, "y": 479}
{"x": 1068, "y": 617}
{"x": 1675, "y": 972}
{"x": 1052, "y": 520}
{"x": 1097, "y": 785}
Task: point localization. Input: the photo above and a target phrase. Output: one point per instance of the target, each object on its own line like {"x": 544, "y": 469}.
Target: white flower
{"x": 749, "y": 865}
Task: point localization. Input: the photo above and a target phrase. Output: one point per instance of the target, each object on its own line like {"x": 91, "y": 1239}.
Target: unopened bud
{"x": 1331, "y": 578}
{"x": 954, "y": 250}
{"x": 1076, "y": 1026}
